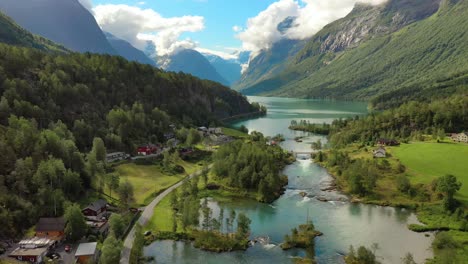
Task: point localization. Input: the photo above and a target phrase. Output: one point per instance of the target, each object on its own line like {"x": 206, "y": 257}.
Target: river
{"x": 342, "y": 223}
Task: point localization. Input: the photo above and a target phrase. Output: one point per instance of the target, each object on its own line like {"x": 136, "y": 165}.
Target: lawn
{"x": 427, "y": 161}
{"x": 149, "y": 180}
{"x": 162, "y": 216}
{"x": 234, "y": 133}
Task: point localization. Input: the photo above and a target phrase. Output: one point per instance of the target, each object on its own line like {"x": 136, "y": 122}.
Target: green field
{"x": 427, "y": 161}
{"x": 234, "y": 133}
{"x": 148, "y": 180}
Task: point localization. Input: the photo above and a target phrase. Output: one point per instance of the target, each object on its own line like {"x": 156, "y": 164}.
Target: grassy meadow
{"x": 426, "y": 161}
{"x": 149, "y": 180}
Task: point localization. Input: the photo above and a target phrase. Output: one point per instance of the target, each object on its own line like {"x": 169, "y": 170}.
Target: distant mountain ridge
{"x": 126, "y": 50}
{"x": 65, "y": 22}
{"x": 229, "y": 69}
{"x": 191, "y": 62}
{"x": 376, "y": 50}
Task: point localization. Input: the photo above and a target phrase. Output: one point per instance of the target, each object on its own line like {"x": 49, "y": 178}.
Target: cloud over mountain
{"x": 138, "y": 25}
{"x": 261, "y": 32}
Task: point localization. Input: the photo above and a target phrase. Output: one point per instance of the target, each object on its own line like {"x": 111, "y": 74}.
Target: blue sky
{"x": 219, "y": 16}
{"x": 207, "y": 25}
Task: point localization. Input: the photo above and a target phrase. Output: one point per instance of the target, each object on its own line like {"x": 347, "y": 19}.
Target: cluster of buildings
{"x": 97, "y": 216}
{"x": 50, "y": 234}
{"x": 461, "y": 137}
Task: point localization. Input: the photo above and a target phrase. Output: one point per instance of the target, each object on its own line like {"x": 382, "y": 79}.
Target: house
{"x": 387, "y": 142}
{"x": 53, "y": 228}
{"x": 462, "y": 137}
{"x": 86, "y": 253}
{"x": 100, "y": 227}
{"x": 33, "y": 249}
{"x": 147, "y": 149}
{"x": 33, "y": 255}
{"x": 116, "y": 156}
{"x": 185, "y": 151}
{"x": 215, "y": 131}
{"x": 380, "y": 153}
{"x": 95, "y": 210}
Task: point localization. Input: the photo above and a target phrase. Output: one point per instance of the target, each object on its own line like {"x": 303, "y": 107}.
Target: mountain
{"x": 127, "y": 51}
{"x": 229, "y": 69}
{"x": 65, "y": 22}
{"x": 377, "y": 50}
{"x": 192, "y": 62}
{"x": 11, "y": 33}
{"x": 269, "y": 62}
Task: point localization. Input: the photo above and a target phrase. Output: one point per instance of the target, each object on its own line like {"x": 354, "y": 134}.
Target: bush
{"x": 443, "y": 240}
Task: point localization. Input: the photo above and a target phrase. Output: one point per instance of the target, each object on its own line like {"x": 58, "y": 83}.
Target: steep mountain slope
{"x": 192, "y": 62}
{"x": 229, "y": 69}
{"x": 127, "y": 51}
{"x": 376, "y": 50}
{"x": 65, "y": 22}
{"x": 269, "y": 62}
{"x": 11, "y": 33}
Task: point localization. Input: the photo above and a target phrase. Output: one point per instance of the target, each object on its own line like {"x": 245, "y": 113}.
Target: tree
{"x": 243, "y": 226}
{"x": 174, "y": 200}
{"x": 99, "y": 150}
{"x": 126, "y": 194}
{"x": 113, "y": 182}
{"x": 408, "y": 259}
{"x": 193, "y": 137}
{"x": 117, "y": 225}
{"x": 207, "y": 213}
{"x": 76, "y": 225}
{"x": 448, "y": 185}
{"x": 110, "y": 251}
{"x": 174, "y": 221}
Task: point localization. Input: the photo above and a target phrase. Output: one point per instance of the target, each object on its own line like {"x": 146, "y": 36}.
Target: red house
{"x": 147, "y": 149}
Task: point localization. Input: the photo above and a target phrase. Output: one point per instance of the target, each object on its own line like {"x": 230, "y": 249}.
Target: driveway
{"x": 146, "y": 216}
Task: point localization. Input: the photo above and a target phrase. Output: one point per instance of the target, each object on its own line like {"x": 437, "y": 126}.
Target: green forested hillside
{"x": 13, "y": 34}
{"x": 57, "y": 112}
{"x": 418, "y": 55}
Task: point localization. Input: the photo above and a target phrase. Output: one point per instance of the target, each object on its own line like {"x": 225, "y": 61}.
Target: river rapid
{"x": 342, "y": 222}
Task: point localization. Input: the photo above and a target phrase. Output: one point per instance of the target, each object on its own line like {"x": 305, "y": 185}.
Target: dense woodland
{"x": 59, "y": 113}
{"x": 252, "y": 166}
{"x": 409, "y": 121}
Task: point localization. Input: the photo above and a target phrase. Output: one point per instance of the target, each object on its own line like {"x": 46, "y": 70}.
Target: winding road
{"x": 146, "y": 216}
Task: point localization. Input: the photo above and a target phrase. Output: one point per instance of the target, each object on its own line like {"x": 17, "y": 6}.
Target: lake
{"x": 343, "y": 223}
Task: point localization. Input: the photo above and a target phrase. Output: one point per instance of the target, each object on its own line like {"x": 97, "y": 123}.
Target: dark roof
{"x": 97, "y": 205}
{"x": 50, "y": 224}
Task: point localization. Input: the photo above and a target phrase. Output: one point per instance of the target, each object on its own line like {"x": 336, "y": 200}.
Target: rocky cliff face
{"x": 366, "y": 22}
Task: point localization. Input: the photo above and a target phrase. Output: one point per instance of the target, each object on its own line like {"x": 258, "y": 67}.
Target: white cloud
{"x": 237, "y": 28}
{"x": 311, "y": 16}
{"x": 138, "y": 25}
{"x": 88, "y": 4}
{"x": 141, "y": 3}
{"x": 224, "y": 55}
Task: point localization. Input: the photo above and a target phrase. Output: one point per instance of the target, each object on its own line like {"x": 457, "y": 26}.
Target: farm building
{"x": 461, "y": 137}
{"x": 147, "y": 149}
{"x": 387, "y": 142}
{"x": 380, "y": 153}
{"x": 53, "y": 228}
{"x": 95, "y": 210}
{"x": 86, "y": 253}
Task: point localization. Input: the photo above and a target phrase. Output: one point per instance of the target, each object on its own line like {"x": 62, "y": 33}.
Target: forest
{"x": 60, "y": 112}
{"x": 252, "y": 166}
{"x": 409, "y": 121}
